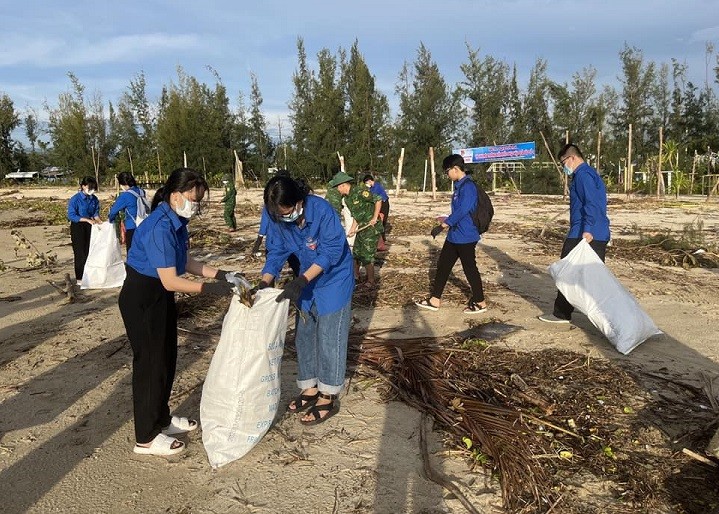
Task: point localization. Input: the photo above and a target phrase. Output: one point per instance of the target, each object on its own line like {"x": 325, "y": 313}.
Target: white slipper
{"x": 161, "y": 445}
{"x": 179, "y": 425}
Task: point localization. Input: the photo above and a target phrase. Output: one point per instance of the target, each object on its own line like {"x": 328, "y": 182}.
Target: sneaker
{"x": 551, "y": 318}
{"x": 425, "y": 304}
{"x": 474, "y": 308}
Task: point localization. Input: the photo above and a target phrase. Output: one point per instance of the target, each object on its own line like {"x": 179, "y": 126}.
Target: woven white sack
{"x": 242, "y": 387}
{"x": 592, "y": 289}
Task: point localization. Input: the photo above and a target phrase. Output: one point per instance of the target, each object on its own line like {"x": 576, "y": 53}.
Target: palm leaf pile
{"x": 544, "y": 421}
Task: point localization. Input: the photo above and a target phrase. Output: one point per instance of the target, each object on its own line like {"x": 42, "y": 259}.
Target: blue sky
{"x": 106, "y": 44}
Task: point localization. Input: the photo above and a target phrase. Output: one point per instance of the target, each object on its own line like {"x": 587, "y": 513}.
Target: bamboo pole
{"x": 660, "y": 179}
{"x": 694, "y": 169}
{"x": 96, "y": 166}
{"x": 184, "y": 159}
{"x": 424, "y": 180}
{"x": 599, "y": 150}
{"x": 628, "y": 169}
{"x": 342, "y": 162}
{"x": 400, "y": 162}
{"x": 159, "y": 167}
{"x": 566, "y": 137}
{"x": 433, "y": 173}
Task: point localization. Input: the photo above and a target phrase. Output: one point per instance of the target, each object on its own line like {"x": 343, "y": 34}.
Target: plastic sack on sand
{"x": 242, "y": 387}
{"x": 592, "y": 289}
{"x": 104, "y": 267}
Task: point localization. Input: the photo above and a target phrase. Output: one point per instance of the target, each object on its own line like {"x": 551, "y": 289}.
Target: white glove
{"x": 238, "y": 280}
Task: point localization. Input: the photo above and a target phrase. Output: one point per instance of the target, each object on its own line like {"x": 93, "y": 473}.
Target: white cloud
{"x": 57, "y": 52}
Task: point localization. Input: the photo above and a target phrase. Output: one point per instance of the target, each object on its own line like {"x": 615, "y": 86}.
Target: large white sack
{"x": 592, "y": 288}
{"x": 104, "y": 267}
{"x": 242, "y": 387}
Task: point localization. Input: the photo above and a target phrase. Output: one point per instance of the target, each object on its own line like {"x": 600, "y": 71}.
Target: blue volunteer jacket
{"x": 161, "y": 241}
{"x": 127, "y": 202}
{"x": 462, "y": 229}
{"x": 82, "y": 206}
{"x": 588, "y": 204}
{"x": 320, "y": 241}
{"x": 379, "y": 191}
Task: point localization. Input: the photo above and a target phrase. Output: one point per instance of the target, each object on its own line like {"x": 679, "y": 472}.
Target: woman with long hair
{"x": 127, "y": 202}
{"x": 308, "y": 227}
{"x": 155, "y": 264}
{"x": 83, "y": 211}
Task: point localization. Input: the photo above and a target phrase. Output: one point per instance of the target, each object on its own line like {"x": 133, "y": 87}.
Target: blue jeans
{"x": 321, "y": 343}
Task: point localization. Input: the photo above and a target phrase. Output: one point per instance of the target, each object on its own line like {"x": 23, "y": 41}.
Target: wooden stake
{"x": 239, "y": 176}
{"x": 433, "y": 173}
{"x": 562, "y": 176}
{"x": 400, "y": 162}
{"x": 424, "y": 180}
{"x": 96, "y": 166}
{"x": 184, "y": 159}
{"x": 599, "y": 149}
{"x": 342, "y": 162}
{"x": 628, "y": 170}
{"x": 159, "y": 167}
{"x": 660, "y": 179}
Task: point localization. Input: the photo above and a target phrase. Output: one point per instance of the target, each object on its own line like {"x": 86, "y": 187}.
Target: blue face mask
{"x": 567, "y": 170}
{"x": 289, "y": 218}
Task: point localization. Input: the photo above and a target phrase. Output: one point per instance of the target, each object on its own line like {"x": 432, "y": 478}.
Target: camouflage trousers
{"x": 230, "y": 220}
{"x": 365, "y": 246}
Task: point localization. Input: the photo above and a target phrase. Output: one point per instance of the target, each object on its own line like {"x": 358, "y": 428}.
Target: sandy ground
{"x": 66, "y": 430}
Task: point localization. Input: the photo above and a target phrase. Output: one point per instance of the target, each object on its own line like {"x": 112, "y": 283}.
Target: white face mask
{"x": 90, "y": 192}
{"x": 567, "y": 170}
{"x": 188, "y": 209}
{"x": 289, "y": 218}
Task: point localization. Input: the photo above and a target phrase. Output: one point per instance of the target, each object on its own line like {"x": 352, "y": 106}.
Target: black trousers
{"x": 562, "y": 308}
{"x": 150, "y": 317}
{"x": 80, "y": 238}
{"x": 128, "y": 238}
{"x": 447, "y": 258}
{"x": 384, "y": 210}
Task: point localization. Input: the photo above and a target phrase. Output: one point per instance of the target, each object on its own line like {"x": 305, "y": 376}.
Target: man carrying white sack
{"x": 587, "y": 218}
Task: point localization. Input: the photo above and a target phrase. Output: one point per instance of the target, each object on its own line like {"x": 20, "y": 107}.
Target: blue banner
{"x": 511, "y": 152}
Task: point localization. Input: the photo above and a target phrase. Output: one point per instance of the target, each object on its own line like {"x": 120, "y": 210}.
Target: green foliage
{"x": 474, "y": 344}
{"x": 430, "y": 115}
{"x": 9, "y": 120}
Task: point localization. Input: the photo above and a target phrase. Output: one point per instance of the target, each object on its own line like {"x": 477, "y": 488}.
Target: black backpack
{"x": 483, "y": 214}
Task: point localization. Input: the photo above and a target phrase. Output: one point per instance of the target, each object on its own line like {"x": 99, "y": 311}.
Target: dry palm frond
{"x": 432, "y": 378}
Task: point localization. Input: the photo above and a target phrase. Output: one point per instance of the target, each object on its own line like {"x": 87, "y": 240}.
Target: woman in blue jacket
{"x": 308, "y": 226}
{"x": 461, "y": 240}
{"x": 155, "y": 264}
{"x": 83, "y": 211}
{"x": 127, "y": 202}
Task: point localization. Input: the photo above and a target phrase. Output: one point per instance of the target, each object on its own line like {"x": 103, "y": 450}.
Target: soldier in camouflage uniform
{"x": 229, "y": 201}
{"x": 365, "y": 207}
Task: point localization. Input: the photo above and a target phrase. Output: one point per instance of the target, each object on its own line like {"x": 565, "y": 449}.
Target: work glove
{"x": 261, "y": 285}
{"x": 292, "y": 290}
{"x": 221, "y": 274}
{"x": 219, "y": 288}
{"x": 256, "y": 246}
{"x": 436, "y": 231}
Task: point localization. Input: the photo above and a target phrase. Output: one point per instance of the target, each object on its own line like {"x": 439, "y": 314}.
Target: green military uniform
{"x": 335, "y": 199}
{"x": 229, "y": 201}
{"x": 361, "y": 203}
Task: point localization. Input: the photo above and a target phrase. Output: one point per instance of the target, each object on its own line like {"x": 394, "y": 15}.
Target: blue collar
{"x": 176, "y": 222}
